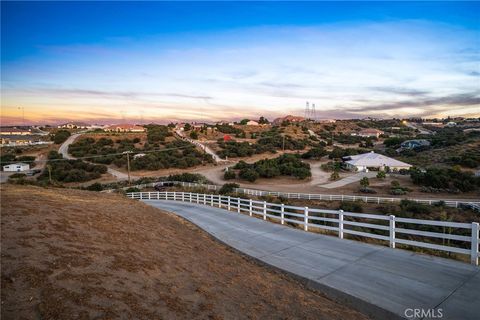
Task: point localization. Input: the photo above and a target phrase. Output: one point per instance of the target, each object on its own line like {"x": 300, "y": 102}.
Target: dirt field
{"x": 70, "y": 254}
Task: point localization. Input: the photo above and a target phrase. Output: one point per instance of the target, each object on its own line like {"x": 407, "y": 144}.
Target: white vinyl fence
{"x": 317, "y": 196}
{"x": 387, "y": 228}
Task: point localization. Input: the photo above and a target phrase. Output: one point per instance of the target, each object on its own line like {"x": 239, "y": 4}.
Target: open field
{"x": 80, "y": 255}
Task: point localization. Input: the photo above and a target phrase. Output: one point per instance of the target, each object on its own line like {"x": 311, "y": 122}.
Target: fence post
{"x": 149, "y": 196}
{"x": 228, "y": 203}
{"x": 211, "y": 200}
{"x": 238, "y": 205}
{"x": 340, "y": 224}
{"x": 141, "y": 195}
{"x": 183, "y": 196}
{"x": 220, "y": 201}
{"x": 264, "y": 210}
{"x": 250, "y": 208}
{"x": 474, "y": 252}
{"x": 305, "y": 219}
{"x": 282, "y": 214}
{"x": 392, "y": 231}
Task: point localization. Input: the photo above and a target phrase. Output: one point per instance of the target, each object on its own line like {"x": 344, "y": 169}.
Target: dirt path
{"x": 69, "y": 254}
{"x": 64, "y": 151}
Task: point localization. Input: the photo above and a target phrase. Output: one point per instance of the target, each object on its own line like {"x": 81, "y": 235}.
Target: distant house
{"x": 252, "y": 123}
{"x": 326, "y": 121}
{"x": 124, "y": 128}
{"x": 288, "y": 118}
{"x": 139, "y": 155}
{"x": 14, "y": 131}
{"x": 372, "y": 160}
{"x": 74, "y": 125}
{"x": 370, "y": 133}
{"x": 412, "y": 144}
{"x": 451, "y": 124}
{"x": 16, "y": 167}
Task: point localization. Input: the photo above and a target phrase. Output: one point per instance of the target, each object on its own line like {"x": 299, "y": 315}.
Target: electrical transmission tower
{"x": 310, "y": 112}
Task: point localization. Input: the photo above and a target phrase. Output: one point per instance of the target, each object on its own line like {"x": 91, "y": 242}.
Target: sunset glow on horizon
{"x": 172, "y": 61}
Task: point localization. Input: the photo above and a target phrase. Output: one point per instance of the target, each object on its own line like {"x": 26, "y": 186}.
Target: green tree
{"x": 194, "y": 135}
{"x": 230, "y": 174}
{"x": 334, "y": 176}
{"x": 248, "y": 174}
{"x": 228, "y": 188}
{"x": 244, "y": 121}
{"x": 187, "y": 127}
{"x": 61, "y": 136}
{"x": 364, "y": 182}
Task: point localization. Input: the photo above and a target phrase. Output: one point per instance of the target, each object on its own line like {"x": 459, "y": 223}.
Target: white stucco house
{"x": 372, "y": 160}
{"x": 16, "y": 167}
{"x": 252, "y": 123}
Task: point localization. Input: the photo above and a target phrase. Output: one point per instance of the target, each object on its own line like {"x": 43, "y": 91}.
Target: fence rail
{"x": 386, "y": 228}
{"x": 475, "y": 205}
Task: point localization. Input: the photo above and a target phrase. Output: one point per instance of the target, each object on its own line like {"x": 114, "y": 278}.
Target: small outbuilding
{"x": 16, "y": 167}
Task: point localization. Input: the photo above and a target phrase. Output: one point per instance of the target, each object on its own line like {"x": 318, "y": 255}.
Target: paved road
{"x": 347, "y": 180}
{"x": 63, "y": 150}
{"x": 377, "y": 280}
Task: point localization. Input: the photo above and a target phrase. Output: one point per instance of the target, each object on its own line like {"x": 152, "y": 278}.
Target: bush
{"x": 398, "y": 192}
{"x": 315, "y": 153}
{"x": 61, "y": 136}
{"x": 350, "y": 206}
{"x": 194, "y": 135}
{"x": 228, "y": 188}
{"x": 364, "y": 182}
{"x": 248, "y": 174}
{"x": 230, "y": 174}
{"x": 367, "y": 190}
{"x": 334, "y": 176}
{"x": 187, "y": 177}
{"x": 95, "y": 187}
{"x": 442, "y": 178}
{"x": 381, "y": 175}
{"x": 17, "y": 175}
{"x": 132, "y": 189}
{"x": 413, "y": 207}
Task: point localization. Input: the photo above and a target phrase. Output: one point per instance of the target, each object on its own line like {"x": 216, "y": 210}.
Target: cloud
{"x": 401, "y": 91}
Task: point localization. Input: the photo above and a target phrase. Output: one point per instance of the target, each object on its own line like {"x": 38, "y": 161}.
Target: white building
{"x": 372, "y": 160}
{"x": 252, "y": 123}
{"x": 16, "y": 167}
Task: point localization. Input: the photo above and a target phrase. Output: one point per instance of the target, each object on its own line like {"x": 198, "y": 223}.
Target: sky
{"x": 142, "y": 62}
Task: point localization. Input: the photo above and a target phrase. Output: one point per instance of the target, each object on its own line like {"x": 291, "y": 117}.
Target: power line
{"x": 103, "y": 155}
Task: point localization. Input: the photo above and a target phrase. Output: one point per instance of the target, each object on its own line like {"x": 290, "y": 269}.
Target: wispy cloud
{"x": 397, "y": 68}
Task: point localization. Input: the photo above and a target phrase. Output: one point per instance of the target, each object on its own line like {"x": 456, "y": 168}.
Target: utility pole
{"x": 128, "y": 164}
{"x": 49, "y": 167}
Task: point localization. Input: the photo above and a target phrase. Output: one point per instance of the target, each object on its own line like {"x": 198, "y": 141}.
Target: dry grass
{"x": 70, "y": 254}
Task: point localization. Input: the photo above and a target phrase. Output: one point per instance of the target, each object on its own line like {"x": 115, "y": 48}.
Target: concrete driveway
{"x": 347, "y": 180}
{"x": 383, "y": 283}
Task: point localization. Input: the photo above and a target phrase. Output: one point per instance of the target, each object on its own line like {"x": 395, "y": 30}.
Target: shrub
{"x": 194, "y": 135}
{"x": 381, "y": 175}
{"x": 228, "y": 188}
{"x": 367, "y": 190}
{"x": 230, "y": 174}
{"x": 334, "y": 176}
{"x": 364, "y": 182}
{"x": 398, "y": 192}
{"x": 132, "y": 189}
{"x": 315, "y": 153}
{"x": 350, "y": 206}
{"x": 248, "y": 174}
{"x": 187, "y": 177}
{"x": 413, "y": 207}
{"x": 95, "y": 187}
{"x": 61, "y": 136}
{"x": 17, "y": 175}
